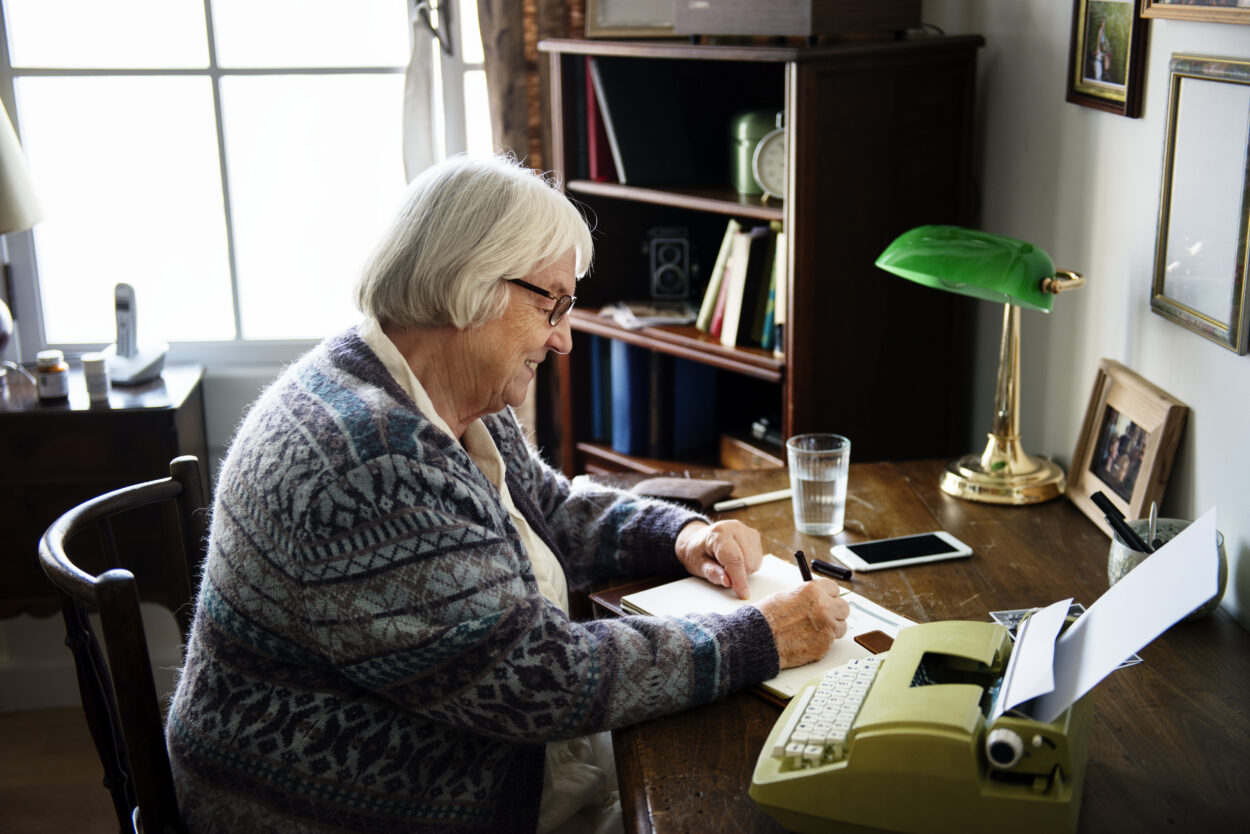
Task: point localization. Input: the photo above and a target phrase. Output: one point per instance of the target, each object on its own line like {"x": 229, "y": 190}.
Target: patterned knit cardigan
{"x": 370, "y": 649}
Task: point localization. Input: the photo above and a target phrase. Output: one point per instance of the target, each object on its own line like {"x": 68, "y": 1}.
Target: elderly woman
{"x": 381, "y": 639}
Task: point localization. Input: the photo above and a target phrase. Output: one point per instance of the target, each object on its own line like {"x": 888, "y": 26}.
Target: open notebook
{"x": 693, "y": 595}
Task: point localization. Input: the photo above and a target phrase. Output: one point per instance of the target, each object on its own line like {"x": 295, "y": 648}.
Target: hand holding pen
{"x": 805, "y": 619}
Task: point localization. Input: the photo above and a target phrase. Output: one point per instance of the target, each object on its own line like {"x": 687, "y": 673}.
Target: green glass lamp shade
{"x": 971, "y": 262}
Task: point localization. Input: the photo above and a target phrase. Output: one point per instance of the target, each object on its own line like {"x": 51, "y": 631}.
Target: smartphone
{"x": 903, "y": 550}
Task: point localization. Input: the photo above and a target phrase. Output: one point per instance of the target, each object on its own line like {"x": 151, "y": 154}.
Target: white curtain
{"x": 420, "y": 136}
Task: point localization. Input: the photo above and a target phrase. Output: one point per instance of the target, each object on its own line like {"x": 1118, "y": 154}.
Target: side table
{"x": 54, "y": 456}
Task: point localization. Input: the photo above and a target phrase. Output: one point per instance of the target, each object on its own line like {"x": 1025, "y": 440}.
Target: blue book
{"x": 693, "y": 416}
{"x": 631, "y": 398}
{"x": 600, "y": 387}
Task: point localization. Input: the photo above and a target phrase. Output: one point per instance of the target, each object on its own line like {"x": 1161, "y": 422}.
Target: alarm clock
{"x": 768, "y": 164}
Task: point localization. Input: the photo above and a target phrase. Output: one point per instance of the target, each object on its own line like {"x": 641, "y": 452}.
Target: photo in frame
{"x": 1127, "y": 443}
{"x": 629, "y": 18}
{"x": 1201, "y": 253}
{"x": 1107, "y": 60}
{"x": 1210, "y": 11}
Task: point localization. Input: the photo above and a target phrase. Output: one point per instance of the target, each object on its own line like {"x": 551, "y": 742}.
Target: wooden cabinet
{"x": 878, "y": 141}
{"x": 53, "y": 457}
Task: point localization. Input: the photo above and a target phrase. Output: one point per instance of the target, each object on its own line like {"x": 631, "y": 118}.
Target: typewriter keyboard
{"x": 823, "y": 714}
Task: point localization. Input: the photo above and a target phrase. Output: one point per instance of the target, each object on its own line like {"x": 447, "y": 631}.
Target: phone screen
{"x": 907, "y": 547}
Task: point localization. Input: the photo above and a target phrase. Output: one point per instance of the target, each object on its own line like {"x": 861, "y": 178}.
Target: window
{"x": 233, "y": 160}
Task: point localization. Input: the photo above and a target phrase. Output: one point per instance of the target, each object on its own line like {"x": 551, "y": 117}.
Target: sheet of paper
{"x": 695, "y": 595}
{"x": 1167, "y": 586}
{"x": 1030, "y": 672}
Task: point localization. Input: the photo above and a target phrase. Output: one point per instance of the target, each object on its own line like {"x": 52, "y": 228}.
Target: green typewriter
{"x": 919, "y": 740}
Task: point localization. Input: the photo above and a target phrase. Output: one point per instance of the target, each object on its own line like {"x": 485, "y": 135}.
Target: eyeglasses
{"x": 564, "y": 303}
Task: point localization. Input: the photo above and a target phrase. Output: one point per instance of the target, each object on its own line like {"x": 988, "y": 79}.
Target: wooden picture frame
{"x": 629, "y": 18}
{"x": 1202, "y": 249}
{"x": 1210, "y": 11}
{"x": 1106, "y": 59}
{"x": 1127, "y": 443}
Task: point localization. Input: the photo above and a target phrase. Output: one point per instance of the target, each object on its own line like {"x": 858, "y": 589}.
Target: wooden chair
{"x": 119, "y": 699}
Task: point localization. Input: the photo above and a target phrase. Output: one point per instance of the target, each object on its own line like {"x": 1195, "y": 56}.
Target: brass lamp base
{"x": 1031, "y": 480}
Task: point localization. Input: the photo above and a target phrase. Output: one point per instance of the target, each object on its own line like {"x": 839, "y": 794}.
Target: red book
{"x": 718, "y": 312}
{"x": 600, "y": 165}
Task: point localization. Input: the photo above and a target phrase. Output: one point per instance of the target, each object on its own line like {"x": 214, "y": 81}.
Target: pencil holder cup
{"x": 1122, "y": 558}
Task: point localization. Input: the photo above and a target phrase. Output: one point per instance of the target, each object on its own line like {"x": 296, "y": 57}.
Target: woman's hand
{"x": 724, "y": 553}
{"x": 805, "y": 620}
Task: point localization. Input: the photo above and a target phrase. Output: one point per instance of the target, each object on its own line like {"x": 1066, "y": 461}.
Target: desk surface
{"x": 1170, "y": 741}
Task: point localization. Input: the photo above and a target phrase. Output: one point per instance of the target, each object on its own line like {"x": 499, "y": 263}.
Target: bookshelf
{"x": 879, "y": 140}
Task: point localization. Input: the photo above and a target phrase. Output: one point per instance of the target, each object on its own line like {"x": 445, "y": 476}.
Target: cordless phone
{"x": 127, "y": 324}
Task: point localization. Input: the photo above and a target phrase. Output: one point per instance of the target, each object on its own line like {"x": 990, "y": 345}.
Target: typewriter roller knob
{"x": 1004, "y": 747}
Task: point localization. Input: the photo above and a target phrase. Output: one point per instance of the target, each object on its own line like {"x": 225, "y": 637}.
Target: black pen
{"x": 831, "y": 570}
{"x": 803, "y": 568}
{"x": 1116, "y": 519}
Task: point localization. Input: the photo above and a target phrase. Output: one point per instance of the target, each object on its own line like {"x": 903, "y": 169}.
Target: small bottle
{"x": 52, "y": 376}
{"x": 95, "y": 370}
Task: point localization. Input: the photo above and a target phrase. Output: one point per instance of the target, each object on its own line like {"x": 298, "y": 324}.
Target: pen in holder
{"x": 1122, "y": 557}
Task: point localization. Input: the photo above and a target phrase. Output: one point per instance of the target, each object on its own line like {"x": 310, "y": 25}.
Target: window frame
{"x": 21, "y": 288}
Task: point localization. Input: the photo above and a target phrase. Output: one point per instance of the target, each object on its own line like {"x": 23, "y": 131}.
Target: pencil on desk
{"x": 750, "y": 500}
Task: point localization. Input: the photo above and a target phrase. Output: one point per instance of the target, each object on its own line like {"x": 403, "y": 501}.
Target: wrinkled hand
{"x": 805, "y": 620}
{"x": 724, "y": 553}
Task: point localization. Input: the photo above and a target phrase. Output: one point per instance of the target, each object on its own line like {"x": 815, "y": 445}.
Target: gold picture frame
{"x": 1212, "y": 11}
{"x": 1106, "y": 58}
{"x": 1127, "y": 443}
{"x": 1202, "y": 249}
{"x": 629, "y": 18}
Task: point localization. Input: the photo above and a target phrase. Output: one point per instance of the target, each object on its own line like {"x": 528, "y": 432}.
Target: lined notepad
{"x": 694, "y": 595}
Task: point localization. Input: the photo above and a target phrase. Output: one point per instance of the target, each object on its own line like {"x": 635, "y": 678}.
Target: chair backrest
{"x": 119, "y": 698}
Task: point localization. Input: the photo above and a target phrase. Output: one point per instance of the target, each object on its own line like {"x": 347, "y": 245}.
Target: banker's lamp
{"x": 1018, "y": 274}
{"x": 19, "y": 210}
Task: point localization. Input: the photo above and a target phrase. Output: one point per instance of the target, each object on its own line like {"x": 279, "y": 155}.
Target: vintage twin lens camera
{"x": 669, "y": 251}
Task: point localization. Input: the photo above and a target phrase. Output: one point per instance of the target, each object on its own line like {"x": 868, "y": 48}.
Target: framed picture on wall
{"x": 1211, "y": 11}
{"x": 1201, "y": 252}
{"x": 1107, "y": 61}
{"x": 1127, "y": 443}
{"x": 629, "y": 18}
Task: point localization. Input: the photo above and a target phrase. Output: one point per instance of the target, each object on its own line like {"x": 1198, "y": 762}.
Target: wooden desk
{"x": 1170, "y": 741}
{"x": 53, "y": 457}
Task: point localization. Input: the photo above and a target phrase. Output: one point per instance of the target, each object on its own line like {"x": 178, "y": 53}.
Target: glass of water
{"x": 818, "y": 470}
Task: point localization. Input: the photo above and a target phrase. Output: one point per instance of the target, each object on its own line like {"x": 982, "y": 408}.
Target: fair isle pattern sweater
{"x": 370, "y": 650}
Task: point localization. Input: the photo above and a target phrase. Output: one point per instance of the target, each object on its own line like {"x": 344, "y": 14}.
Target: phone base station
{"x": 145, "y": 366}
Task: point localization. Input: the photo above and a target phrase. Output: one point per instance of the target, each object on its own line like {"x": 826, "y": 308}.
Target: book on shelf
{"x": 631, "y": 397}
{"x": 746, "y": 269}
{"x": 693, "y": 415}
{"x": 712, "y": 294}
{"x": 718, "y": 309}
{"x": 768, "y": 330}
{"x": 695, "y": 595}
{"x": 759, "y": 299}
{"x": 600, "y": 349}
{"x": 600, "y": 165}
{"x": 634, "y": 97}
{"x": 781, "y": 277}
{"x": 661, "y": 406}
{"x": 682, "y": 408}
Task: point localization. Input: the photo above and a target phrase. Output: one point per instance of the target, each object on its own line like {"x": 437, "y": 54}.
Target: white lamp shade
{"x": 19, "y": 208}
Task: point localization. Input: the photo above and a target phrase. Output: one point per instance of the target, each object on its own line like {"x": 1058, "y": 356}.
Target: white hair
{"x": 465, "y": 224}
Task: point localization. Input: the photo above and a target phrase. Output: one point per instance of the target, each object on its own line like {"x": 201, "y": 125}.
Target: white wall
{"x": 1084, "y": 185}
